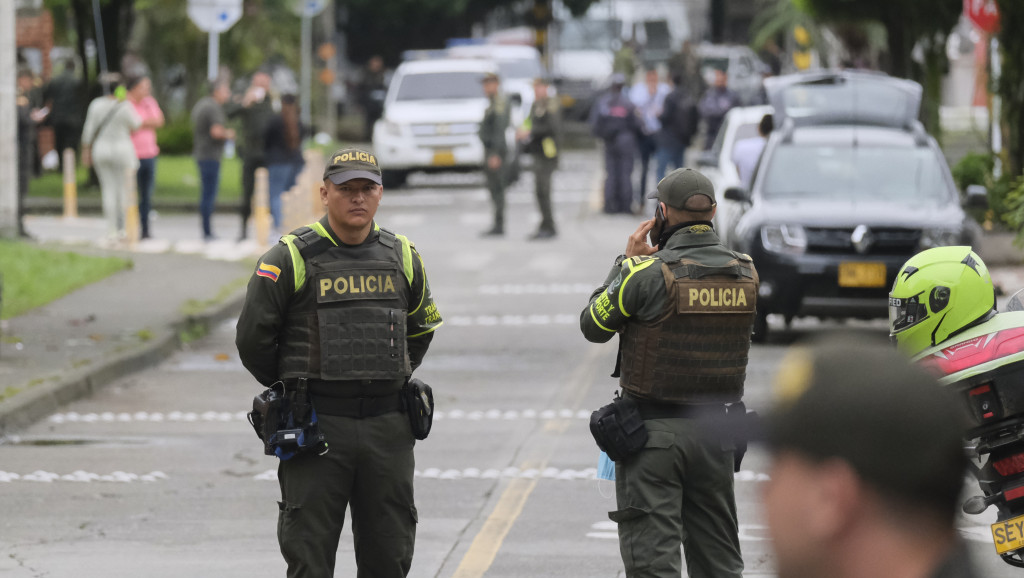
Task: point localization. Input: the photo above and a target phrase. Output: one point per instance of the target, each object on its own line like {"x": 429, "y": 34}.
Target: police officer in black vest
{"x": 345, "y": 304}
{"x": 684, "y": 311}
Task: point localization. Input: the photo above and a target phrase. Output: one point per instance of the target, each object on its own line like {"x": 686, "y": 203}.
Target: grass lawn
{"x": 33, "y": 276}
{"x": 177, "y": 177}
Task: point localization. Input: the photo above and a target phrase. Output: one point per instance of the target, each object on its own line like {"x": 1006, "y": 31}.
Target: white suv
{"x": 432, "y": 116}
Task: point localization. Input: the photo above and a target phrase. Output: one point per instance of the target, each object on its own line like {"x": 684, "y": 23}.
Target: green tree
{"x": 907, "y": 23}
{"x": 1011, "y": 82}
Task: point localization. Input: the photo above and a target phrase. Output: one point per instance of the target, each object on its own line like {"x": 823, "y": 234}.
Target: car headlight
{"x": 784, "y": 238}
{"x": 940, "y": 237}
{"x": 392, "y": 128}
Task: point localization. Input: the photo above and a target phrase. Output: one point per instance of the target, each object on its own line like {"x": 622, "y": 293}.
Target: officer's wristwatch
{"x": 620, "y": 259}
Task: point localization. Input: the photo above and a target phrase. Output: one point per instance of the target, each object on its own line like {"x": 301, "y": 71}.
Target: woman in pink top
{"x": 144, "y": 139}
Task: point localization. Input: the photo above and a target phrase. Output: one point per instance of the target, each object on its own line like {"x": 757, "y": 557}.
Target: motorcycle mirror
{"x": 1016, "y": 302}
{"x": 976, "y": 505}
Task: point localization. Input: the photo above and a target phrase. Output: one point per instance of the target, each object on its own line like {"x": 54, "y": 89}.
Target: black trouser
{"x": 369, "y": 467}
{"x": 646, "y": 145}
{"x": 543, "y": 168}
{"x": 249, "y": 166}
{"x": 66, "y": 135}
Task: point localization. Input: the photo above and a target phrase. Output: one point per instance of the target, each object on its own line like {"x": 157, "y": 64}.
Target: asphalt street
{"x": 159, "y": 474}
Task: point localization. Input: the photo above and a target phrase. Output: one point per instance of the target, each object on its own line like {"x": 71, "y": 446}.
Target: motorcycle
{"x": 985, "y": 366}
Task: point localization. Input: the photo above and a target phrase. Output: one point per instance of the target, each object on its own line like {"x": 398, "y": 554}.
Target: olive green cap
{"x": 489, "y": 77}
{"x": 680, "y": 185}
{"x": 868, "y": 406}
{"x": 352, "y": 163}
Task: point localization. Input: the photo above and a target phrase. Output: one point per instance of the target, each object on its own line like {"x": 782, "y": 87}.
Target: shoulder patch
{"x": 700, "y": 229}
{"x": 269, "y": 271}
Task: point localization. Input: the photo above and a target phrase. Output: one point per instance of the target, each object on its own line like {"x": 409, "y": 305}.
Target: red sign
{"x": 983, "y": 13}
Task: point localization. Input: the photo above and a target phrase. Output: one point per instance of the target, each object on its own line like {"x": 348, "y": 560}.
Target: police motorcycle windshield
{"x": 1016, "y": 303}
{"x": 905, "y": 313}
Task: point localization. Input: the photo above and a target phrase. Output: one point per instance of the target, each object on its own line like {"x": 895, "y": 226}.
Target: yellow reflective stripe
{"x": 632, "y": 271}
{"x": 425, "y": 332}
{"x": 423, "y": 291}
{"x": 406, "y": 257}
{"x": 298, "y": 265}
{"x": 594, "y": 317}
{"x": 376, "y": 227}
{"x": 320, "y": 230}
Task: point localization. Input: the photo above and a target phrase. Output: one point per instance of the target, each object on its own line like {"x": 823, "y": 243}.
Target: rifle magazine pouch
{"x": 619, "y": 429}
{"x": 419, "y": 404}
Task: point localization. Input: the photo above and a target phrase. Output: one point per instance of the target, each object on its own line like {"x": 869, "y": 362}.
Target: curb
{"x": 36, "y": 403}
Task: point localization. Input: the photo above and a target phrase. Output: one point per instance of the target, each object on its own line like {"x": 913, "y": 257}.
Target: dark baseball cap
{"x": 680, "y": 185}
{"x": 867, "y": 405}
{"x": 352, "y": 163}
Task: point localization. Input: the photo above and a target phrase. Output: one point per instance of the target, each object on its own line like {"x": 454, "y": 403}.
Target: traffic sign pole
{"x": 213, "y": 57}
{"x": 307, "y": 70}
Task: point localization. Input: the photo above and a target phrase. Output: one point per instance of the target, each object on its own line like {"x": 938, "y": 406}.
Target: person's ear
{"x": 323, "y": 194}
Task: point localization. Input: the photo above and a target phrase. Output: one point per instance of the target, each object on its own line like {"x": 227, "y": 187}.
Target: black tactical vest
{"x": 696, "y": 351}
{"x": 347, "y": 322}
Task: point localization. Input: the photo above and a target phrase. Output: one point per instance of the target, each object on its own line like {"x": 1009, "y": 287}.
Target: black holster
{"x": 418, "y": 404}
{"x": 618, "y": 428}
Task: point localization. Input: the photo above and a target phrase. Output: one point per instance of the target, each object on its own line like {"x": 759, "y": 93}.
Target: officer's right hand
{"x": 637, "y": 243}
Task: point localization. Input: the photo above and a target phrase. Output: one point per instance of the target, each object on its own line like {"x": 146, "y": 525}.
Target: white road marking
{"x": 537, "y": 289}
{"x": 511, "y": 320}
{"x": 608, "y": 530}
{"x": 548, "y": 473}
{"x": 81, "y": 476}
{"x": 176, "y": 416}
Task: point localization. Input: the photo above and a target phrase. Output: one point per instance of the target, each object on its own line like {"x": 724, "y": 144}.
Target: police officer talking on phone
{"x": 683, "y": 307}
{"x": 344, "y": 305}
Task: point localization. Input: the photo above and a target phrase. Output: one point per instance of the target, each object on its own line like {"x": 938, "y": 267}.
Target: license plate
{"x": 1008, "y": 535}
{"x": 444, "y": 158}
{"x": 862, "y": 274}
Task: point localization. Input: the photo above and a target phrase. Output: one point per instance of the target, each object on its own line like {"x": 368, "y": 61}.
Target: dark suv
{"x": 848, "y": 187}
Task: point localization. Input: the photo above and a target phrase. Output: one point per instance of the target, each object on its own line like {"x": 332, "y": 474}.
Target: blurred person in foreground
{"x": 868, "y": 465}
{"x": 717, "y": 101}
{"x": 613, "y": 120}
{"x": 683, "y": 310}
{"x": 283, "y": 139}
{"x": 64, "y": 95}
{"x": 649, "y": 100}
{"x": 209, "y": 134}
{"x": 144, "y": 139}
{"x": 542, "y": 134}
{"x": 107, "y": 146}
{"x": 492, "y": 135}
{"x": 255, "y": 109}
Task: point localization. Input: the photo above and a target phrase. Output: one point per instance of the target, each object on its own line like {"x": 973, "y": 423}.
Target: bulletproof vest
{"x": 347, "y": 322}
{"x": 696, "y": 351}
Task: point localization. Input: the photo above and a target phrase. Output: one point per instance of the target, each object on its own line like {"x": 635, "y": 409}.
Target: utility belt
{"x": 655, "y": 410}
{"x": 359, "y": 407}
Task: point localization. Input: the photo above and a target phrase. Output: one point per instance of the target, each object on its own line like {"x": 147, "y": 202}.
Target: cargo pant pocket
{"x": 633, "y": 524}
{"x": 288, "y": 519}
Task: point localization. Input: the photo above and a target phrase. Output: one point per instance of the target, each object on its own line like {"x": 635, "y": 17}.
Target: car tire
{"x": 392, "y": 178}
{"x": 760, "y": 333}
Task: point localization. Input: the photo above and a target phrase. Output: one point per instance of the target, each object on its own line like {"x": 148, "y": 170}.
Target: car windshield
{"x": 441, "y": 86}
{"x": 847, "y": 172}
{"x": 519, "y": 68}
{"x": 577, "y": 34}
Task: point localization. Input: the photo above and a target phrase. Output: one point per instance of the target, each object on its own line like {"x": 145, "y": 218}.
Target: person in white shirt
{"x": 747, "y": 152}
{"x": 649, "y": 100}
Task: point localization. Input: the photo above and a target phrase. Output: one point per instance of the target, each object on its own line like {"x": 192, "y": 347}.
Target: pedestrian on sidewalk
{"x": 715, "y": 104}
{"x": 746, "y": 153}
{"x": 29, "y": 117}
{"x": 144, "y": 139}
{"x": 542, "y": 134}
{"x": 209, "y": 135}
{"x": 107, "y": 146}
{"x": 255, "y": 108}
{"x": 679, "y": 121}
{"x": 283, "y": 139}
{"x": 64, "y": 96}
{"x": 649, "y": 100}
{"x": 613, "y": 120}
{"x": 492, "y": 135}
{"x": 370, "y": 286}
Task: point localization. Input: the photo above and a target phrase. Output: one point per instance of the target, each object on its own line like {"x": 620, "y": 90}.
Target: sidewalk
{"x": 176, "y": 289}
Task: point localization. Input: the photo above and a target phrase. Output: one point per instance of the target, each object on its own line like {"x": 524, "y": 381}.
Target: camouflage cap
{"x": 351, "y": 163}
{"x": 680, "y": 185}
{"x": 868, "y": 406}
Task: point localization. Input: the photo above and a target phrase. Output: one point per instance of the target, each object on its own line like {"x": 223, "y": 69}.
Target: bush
{"x": 175, "y": 137}
{"x": 973, "y": 169}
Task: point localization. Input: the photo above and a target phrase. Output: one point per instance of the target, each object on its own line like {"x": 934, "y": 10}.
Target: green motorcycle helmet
{"x": 937, "y": 294}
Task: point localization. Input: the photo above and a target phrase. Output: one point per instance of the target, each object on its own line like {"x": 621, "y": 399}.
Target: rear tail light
{"x": 1010, "y": 466}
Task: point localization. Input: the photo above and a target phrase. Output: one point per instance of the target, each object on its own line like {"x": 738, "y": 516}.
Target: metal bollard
{"x": 131, "y": 208}
{"x": 70, "y": 185}
{"x": 261, "y": 205}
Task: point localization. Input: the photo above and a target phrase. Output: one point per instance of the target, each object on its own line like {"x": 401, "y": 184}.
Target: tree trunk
{"x": 934, "y": 67}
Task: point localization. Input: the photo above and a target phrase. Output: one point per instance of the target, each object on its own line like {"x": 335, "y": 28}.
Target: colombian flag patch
{"x": 269, "y": 271}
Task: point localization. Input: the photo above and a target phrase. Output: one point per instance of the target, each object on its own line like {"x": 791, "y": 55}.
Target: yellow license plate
{"x": 444, "y": 158}
{"x": 862, "y": 274}
{"x": 1008, "y": 535}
